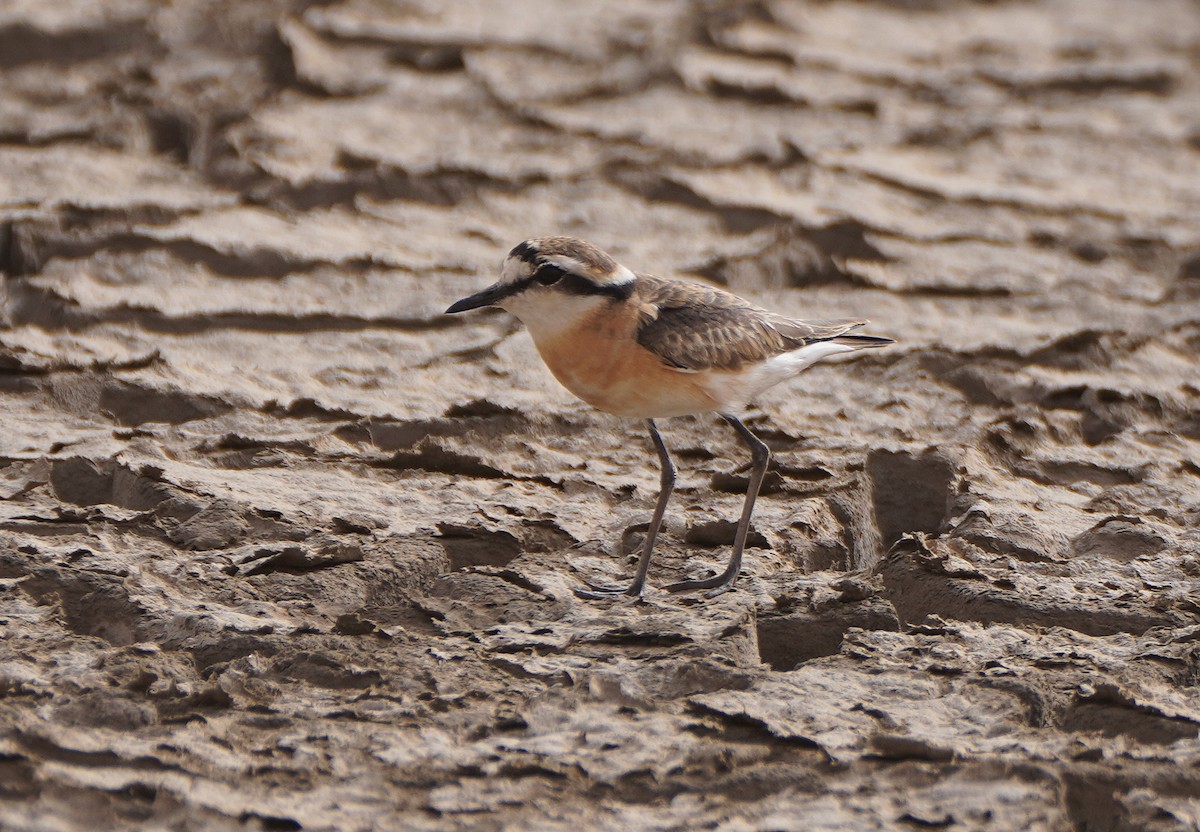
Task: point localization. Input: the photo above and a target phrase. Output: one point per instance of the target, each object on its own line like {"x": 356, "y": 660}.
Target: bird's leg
{"x": 666, "y": 486}
{"x": 760, "y": 455}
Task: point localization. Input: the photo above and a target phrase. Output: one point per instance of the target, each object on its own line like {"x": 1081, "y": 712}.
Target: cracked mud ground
{"x": 284, "y": 547}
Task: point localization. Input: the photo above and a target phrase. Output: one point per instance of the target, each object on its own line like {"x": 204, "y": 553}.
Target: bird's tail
{"x": 860, "y": 342}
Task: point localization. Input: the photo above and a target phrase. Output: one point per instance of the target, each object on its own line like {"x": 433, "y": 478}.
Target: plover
{"x": 643, "y": 346}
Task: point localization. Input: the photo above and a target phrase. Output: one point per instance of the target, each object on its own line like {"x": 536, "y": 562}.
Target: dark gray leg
{"x": 760, "y": 454}
{"x": 666, "y": 486}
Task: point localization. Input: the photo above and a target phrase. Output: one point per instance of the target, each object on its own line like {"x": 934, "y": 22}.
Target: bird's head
{"x": 549, "y": 278}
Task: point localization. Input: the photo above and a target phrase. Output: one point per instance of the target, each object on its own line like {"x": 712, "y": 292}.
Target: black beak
{"x": 489, "y": 296}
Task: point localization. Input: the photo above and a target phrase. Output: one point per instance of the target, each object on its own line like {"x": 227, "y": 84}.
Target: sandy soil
{"x": 284, "y": 547}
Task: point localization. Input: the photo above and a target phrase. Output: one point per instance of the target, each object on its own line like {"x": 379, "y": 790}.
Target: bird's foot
{"x": 716, "y": 585}
{"x": 599, "y": 592}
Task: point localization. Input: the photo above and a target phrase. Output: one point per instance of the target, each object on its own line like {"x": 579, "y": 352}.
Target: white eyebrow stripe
{"x": 567, "y": 263}
{"x": 621, "y": 276}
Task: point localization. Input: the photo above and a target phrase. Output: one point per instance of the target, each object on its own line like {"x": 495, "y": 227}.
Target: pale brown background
{"x": 282, "y": 546}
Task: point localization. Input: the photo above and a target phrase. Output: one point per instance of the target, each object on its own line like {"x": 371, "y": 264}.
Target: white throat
{"x": 547, "y": 313}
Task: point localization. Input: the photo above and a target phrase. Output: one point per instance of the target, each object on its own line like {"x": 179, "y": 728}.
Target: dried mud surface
{"x": 284, "y": 547}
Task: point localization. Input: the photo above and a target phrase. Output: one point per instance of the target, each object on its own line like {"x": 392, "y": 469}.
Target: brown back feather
{"x": 696, "y": 327}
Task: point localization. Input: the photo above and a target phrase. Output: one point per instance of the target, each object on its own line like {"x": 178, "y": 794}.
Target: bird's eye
{"x": 548, "y": 275}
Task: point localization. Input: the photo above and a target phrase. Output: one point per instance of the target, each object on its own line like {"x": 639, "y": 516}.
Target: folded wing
{"x": 696, "y": 327}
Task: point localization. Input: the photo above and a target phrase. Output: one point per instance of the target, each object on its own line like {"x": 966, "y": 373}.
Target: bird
{"x": 648, "y": 347}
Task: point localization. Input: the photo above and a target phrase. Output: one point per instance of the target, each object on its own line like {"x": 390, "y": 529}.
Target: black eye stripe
{"x": 548, "y": 273}
{"x": 564, "y": 281}
{"x": 576, "y": 285}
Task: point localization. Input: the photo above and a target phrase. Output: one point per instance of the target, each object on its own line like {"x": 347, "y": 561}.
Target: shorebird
{"x": 643, "y": 346}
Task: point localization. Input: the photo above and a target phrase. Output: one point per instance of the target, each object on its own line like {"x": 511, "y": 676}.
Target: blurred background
{"x": 272, "y": 522}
